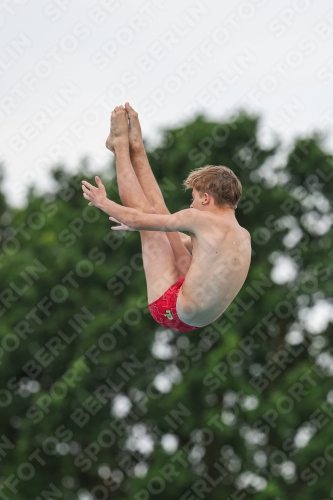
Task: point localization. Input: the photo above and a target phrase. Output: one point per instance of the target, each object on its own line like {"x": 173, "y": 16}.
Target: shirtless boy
{"x": 191, "y": 280}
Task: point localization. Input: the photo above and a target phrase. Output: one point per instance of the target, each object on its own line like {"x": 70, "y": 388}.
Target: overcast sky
{"x": 65, "y": 64}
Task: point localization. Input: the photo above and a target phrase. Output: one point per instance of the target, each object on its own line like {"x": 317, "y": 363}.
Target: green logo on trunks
{"x": 168, "y": 314}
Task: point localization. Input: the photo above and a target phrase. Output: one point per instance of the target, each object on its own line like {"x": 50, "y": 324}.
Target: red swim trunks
{"x": 163, "y": 310}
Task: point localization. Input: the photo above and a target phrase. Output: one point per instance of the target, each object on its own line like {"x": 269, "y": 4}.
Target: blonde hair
{"x": 218, "y": 181}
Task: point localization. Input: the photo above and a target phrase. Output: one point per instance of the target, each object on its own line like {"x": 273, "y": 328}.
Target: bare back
{"x": 221, "y": 258}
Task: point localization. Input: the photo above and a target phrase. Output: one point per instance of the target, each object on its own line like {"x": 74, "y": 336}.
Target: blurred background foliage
{"x": 98, "y": 401}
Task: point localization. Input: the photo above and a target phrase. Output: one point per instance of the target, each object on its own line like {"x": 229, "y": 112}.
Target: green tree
{"x": 97, "y": 401}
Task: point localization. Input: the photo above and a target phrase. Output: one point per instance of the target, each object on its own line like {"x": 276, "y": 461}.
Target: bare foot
{"x": 119, "y": 129}
{"x": 134, "y": 128}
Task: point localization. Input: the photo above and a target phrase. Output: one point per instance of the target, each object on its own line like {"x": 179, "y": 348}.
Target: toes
{"x": 132, "y": 113}
{"x": 118, "y": 110}
{"x": 128, "y": 108}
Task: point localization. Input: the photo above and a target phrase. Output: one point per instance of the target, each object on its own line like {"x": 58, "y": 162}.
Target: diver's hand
{"x": 121, "y": 227}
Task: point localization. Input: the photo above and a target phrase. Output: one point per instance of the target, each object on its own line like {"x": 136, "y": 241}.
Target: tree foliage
{"x": 98, "y": 401}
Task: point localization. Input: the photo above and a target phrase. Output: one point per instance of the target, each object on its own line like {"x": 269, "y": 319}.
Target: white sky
{"x": 64, "y": 65}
